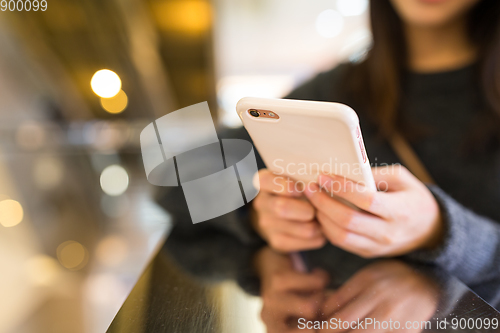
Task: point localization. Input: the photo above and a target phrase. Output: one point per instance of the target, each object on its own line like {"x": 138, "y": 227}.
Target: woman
{"x": 433, "y": 75}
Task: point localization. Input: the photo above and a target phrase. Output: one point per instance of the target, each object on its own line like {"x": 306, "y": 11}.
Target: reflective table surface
{"x": 208, "y": 281}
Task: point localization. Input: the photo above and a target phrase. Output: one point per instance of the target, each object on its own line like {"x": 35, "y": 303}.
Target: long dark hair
{"x": 380, "y": 77}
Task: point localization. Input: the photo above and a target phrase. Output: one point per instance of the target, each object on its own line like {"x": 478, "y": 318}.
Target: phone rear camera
{"x": 254, "y": 113}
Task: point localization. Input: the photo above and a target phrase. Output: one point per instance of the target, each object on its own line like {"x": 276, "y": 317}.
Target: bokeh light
{"x": 329, "y": 23}
{"x": 185, "y": 16}
{"x": 42, "y": 270}
{"x": 106, "y": 289}
{"x": 112, "y": 250}
{"x": 11, "y": 213}
{"x": 107, "y": 136}
{"x": 72, "y": 255}
{"x": 106, "y": 83}
{"x": 114, "y": 180}
{"x": 352, "y": 7}
{"x": 115, "y": 104}
{"x": 48, "y": 172}
{"x": 31, "y": 136}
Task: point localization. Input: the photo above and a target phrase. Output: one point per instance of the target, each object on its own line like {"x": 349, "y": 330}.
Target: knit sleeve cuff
{"x": 454, "y": 237}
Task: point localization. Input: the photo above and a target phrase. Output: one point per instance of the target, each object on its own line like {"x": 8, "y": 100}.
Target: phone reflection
{"x": 388, "y": 292}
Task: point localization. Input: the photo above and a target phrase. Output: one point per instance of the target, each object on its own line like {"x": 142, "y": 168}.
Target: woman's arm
{"x": 471, "y": 245}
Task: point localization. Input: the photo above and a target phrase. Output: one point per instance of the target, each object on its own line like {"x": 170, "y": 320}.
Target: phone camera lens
{"x": 254, "y": 113}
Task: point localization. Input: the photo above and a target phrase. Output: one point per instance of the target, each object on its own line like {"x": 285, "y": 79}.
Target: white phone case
{"x": 309, "y": 138}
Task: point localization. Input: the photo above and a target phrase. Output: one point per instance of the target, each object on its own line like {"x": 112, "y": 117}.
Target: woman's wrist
{"x": 436, "y": 235}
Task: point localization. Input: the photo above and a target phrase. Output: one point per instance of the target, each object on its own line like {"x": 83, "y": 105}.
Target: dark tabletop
{"x": 210, "y": 282}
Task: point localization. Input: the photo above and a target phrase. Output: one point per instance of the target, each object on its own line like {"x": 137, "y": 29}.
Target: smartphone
{"x": 302, "y": 139}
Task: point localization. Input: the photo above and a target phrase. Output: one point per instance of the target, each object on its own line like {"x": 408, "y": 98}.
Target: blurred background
{"x": 78, "y": 83}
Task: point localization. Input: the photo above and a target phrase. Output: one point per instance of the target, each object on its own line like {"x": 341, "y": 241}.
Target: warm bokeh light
{"x": 115, "y": 104}
{"x": 329, "y": 23}
{"x": 187, "y": 16}
{"x": 31, "y": 135}
{"x": 11, "y": 213}
{"x": 42, "y": 269}
{"x": 48, "y": 172}
{"x": 106, "y": 289}
{"x": 107, "y": 135}
{"x": 114, "y": 180}
{"x": 72, "y": 255}
{"x": 112, "y": 250}
{"x": 106, "y": 83}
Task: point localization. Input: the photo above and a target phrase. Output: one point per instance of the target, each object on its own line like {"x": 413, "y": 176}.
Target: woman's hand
{"x": 283, "y": 218}
{"x": 402, "y": 217}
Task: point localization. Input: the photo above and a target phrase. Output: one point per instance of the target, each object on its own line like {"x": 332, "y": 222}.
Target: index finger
{"x": 353, "y": 192}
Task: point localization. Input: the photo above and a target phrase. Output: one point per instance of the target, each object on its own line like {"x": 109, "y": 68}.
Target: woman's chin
{"x": 431, "y": 13}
